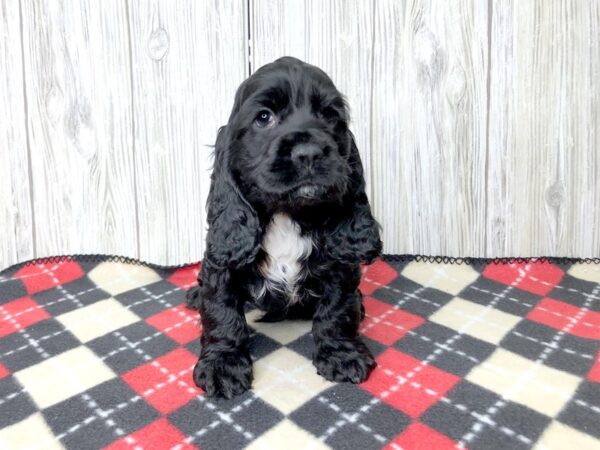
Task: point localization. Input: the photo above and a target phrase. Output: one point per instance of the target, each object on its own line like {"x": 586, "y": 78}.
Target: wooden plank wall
{"x": 188, "y": 58}
{"x": 478, "y": 122}
{"x": 16, "y": 225}
{"x": 544, "y": 128}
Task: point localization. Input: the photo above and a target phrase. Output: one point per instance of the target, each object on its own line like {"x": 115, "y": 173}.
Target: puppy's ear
{"x": 233, "y": 236}
{"x": 356, "y": 238}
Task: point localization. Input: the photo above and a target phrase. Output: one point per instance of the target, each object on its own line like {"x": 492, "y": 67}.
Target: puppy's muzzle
{"x": 305, "y": 156}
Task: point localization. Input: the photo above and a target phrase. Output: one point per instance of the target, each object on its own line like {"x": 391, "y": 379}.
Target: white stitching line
{"x": 35, "y": 344}
{"x": 525, "y": 377}
{"x": 458, "y": 336}
{"x": 86, "y": 291}
{"x": 105, "y": 357}
{"x": 566, "y": 350}
{"x": 536, "y": 306}
{"x": 288, "y": 376}
{"x": 110, "y": 411}
{"x": 56, "y": 333}
{"x": 30, "y": 275}
{"x": 171, "y": 378}
{"x": 255, "y": 394}
{"x": 87, "y": 399}
{"x": 593, "y": 296}
{"x": 332, "y": 429}
{"x": 478, "y": 425}
{"x": 547, "y": 387}
{"x": 54, "y": 302}
{"x": 459, "y": 406}
{"x": 85, "y": 396}
{"x": 22, "y": 331}
{"x": 223, "y": 417}
{"x": 347, "y": 418}
{"x": 422, "y": 363}
{"x": 461, "y": 353}
{"x": 114, "y": 352}
{"x": 586, "y": 295}
{"x": 423, "y": 338}
{"x": 90, "y": 402}
{"x": 553, "y": 345}
{"x": 93, "y": 405}
{"x": 57, "y": 285}
{"x": 504, "y": 297}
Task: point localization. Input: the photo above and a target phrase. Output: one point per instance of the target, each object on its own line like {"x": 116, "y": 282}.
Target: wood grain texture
{"x": 429, "y": 111}
{"x": 478, "y": 122}
{"x": 336, "y": 36}
{"x": 80, "y": 126}
{"x": 16, "y": 243}
{"x": 544, "y": 149}
{"x": 188, "y": 59}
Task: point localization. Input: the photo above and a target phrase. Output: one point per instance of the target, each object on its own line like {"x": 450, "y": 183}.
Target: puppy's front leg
{"x": 224, "y": 368}
{"x": 339, "y": 353}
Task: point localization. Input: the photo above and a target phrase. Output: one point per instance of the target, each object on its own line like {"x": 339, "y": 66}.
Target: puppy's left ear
{"x": 356, "y": 238}
{"x": 233, "y": 237}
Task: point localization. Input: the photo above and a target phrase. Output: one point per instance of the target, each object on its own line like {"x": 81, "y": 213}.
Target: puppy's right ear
{"x": 233, "y": 237}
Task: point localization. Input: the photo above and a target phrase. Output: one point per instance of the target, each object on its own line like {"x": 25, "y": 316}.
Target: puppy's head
{"x": 289, "y": 137}
{"x": 287, "y": 148}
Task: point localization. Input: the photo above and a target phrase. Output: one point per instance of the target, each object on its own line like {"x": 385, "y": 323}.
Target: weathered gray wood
{"x": 335, "y": 35}
{"x": 188, "y": 59}
{"x": 16, "y": 243}
{"x": 429, "y": 100}
{"x": 544, "y": 141}
{"x": 77, "y": 77}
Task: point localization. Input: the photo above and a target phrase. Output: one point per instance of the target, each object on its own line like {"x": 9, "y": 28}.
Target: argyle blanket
{"x": 482, "y": 356}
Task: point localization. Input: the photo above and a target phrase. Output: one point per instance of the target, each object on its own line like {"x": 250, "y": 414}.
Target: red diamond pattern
{"x": 385, "y": 324}
{"x": 40, "y": 277}
{"x": 594, "y": 374}
{"x": 375, "y": 276}
{"x": 179, "y": 323}
{"x": 420, "y": 437}
{"x": 564, "y": 316}
{"x": 409, "y": 402}
{"x": 20, "y": 314}
{"x": 156, "y": 436}
{"x": 185, "y": 277}
{"x": 537, "y": 278}
{"x": 165, "y": 383}
{"x": 3, "y": 372}
{"x": 407, "y": 384}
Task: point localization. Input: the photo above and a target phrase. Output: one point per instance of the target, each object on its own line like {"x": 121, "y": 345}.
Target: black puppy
{"x": 289, "y": 225}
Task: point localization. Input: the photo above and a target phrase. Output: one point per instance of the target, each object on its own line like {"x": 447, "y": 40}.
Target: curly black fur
{"x": 286, "y": 149}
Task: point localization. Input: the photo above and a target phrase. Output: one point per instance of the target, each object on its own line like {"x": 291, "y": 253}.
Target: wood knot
{"x": 55, "y": 104}
{"x": 80, "y": 129}
{"x": 429, "y": 57}
{"x": 555, "y": 194}
{"x": 158, "y": 44}
{"x": 456, "y": 86}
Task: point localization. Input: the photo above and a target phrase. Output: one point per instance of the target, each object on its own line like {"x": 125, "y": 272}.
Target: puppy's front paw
{"x": 344, "y": 361}
{"x": 224, "y": 375}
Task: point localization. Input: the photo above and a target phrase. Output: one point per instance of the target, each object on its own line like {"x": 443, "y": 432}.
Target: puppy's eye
{"x": 264, "y": 119}
{"x": 330, "y": 114}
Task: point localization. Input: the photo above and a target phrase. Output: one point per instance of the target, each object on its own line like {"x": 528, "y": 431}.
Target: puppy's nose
{"x": 306, "y": 154}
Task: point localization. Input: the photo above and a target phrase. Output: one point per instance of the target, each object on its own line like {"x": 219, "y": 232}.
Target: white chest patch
{"x": 285, "y": 250}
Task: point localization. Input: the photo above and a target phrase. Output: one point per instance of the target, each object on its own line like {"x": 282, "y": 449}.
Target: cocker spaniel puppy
{"x": 289, "y": 225}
